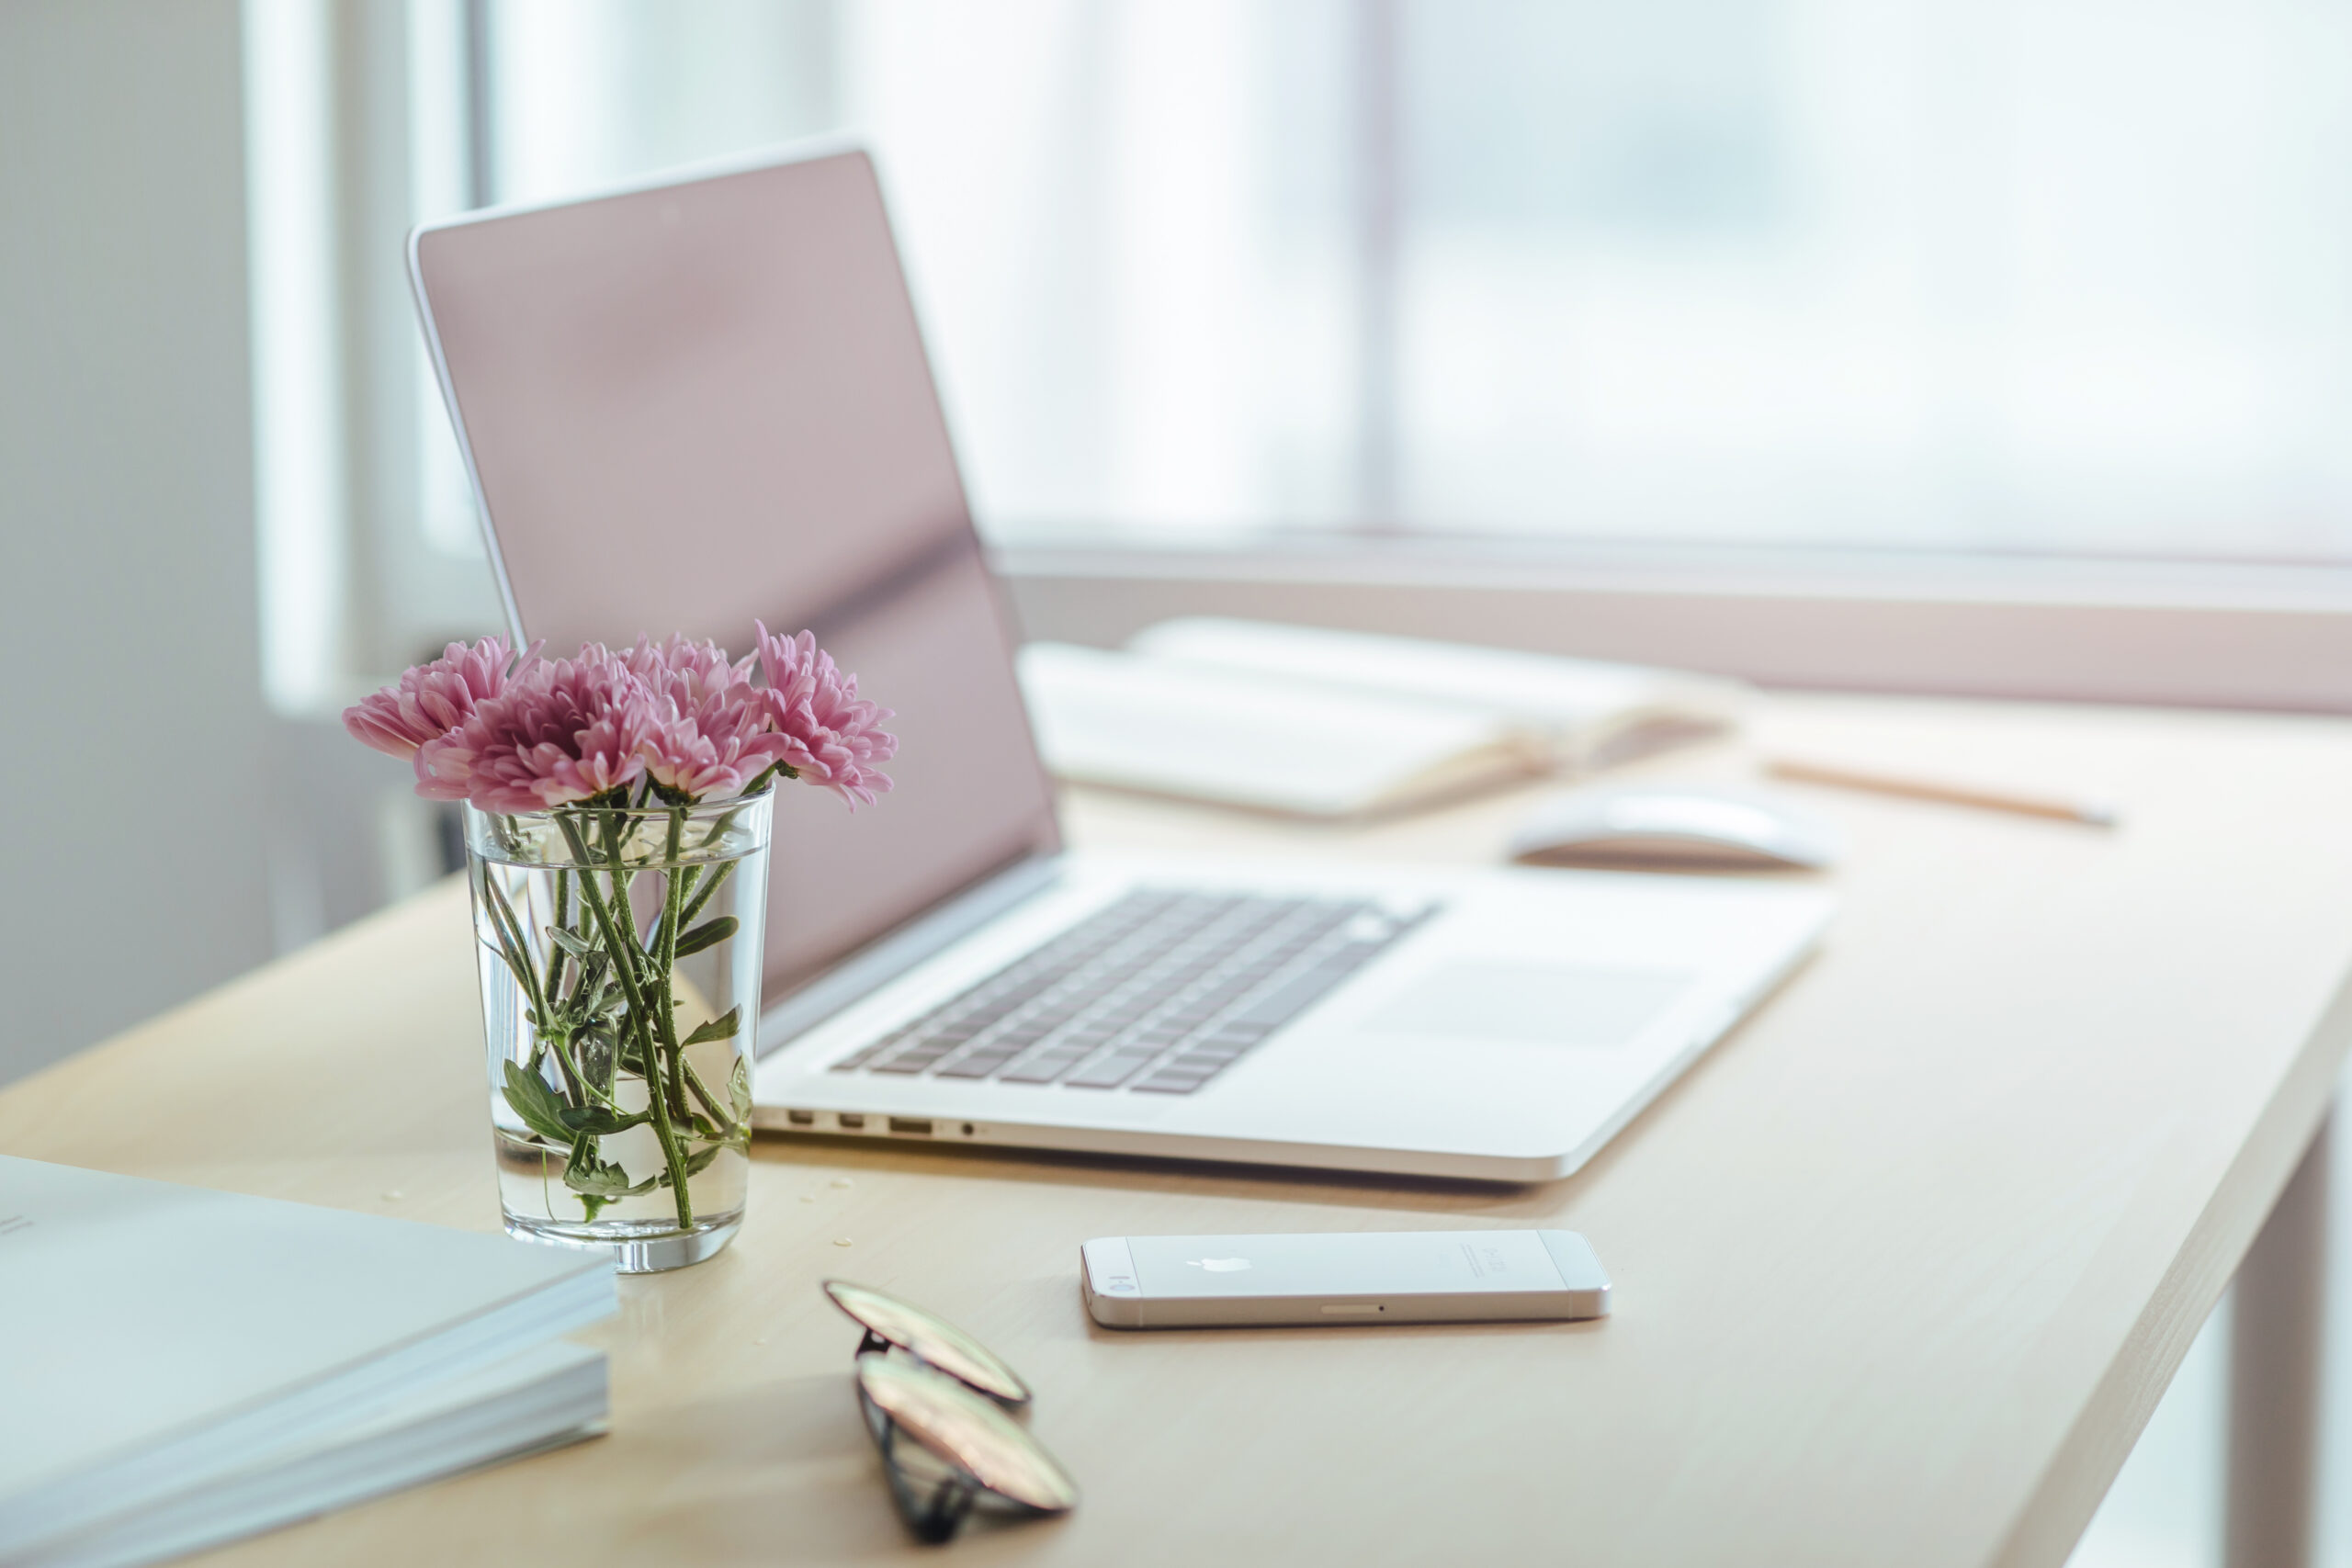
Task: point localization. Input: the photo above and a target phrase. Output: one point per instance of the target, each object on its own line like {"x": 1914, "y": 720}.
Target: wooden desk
{"x": 1902, "y": 1267}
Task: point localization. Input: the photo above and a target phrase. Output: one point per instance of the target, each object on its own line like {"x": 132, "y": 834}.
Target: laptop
{"x": 699, "y": 400}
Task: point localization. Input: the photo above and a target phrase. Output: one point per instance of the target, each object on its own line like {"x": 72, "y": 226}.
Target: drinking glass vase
{"x": 619, "y": 953}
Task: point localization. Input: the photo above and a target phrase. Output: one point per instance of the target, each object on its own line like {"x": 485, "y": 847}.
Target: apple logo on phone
{"x": 1217, "y": 1265}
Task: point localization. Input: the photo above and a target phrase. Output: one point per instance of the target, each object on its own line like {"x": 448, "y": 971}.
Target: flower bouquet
{"x": 618, "y": 809}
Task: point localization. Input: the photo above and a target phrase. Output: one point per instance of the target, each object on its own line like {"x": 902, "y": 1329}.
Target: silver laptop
{"x": 690, "y": 403}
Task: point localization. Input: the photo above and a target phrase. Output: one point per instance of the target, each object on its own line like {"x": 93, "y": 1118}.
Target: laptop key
{"x": 977, "y": 1066}
{"x": 1113, "y": 1070}
{"x": 1301, "y": 991}
{"x": 1045, "y": 1067}
{"x": 866, "y": 1054}
{"x": 1158, "y": 992}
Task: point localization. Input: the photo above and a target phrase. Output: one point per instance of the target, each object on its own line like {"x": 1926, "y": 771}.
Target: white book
{"x": 1317, "y": 723}
{"x": 1174, "y": 728}
{"x": 1583, "y": 712}
{"x": 540, "y": 1398}
{"x": 158, "y": 1339}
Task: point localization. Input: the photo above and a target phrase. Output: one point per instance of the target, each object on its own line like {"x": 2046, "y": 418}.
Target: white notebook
{"x": 157, "y": 1338}
{"x": 544, "y": 1398}
{"x": 1319, "y": 723}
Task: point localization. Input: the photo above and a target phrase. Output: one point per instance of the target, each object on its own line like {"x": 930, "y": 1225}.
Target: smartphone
{"x": 1191, "y": 1282}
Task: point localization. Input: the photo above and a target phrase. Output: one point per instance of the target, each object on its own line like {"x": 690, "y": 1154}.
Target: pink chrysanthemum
{"x": 686, "y": 672}
{"x": 836, "y": 736}
{"x": 678, "y": 717}
{"x": 563, "y": 730}
{"x": 432, "y": 699}
{"x": 711, "y": 737}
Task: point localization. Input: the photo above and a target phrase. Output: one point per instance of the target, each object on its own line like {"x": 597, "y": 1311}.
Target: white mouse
{"x": 1675, "y": 827}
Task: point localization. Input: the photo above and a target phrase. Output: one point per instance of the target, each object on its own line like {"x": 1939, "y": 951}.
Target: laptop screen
{"x": 701, "y": 404}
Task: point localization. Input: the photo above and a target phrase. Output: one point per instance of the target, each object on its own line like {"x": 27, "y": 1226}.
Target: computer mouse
{"x": 1675, "y": 827}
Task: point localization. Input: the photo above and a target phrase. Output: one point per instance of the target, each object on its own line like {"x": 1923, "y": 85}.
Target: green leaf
{"x": 601, "y": 1180}
{"x": 506, "y": 956}
{"x": 739, "y": 1092}
{"x": 528, "y": 1096}
{"x": 593, "y": 1002}
{"x": 573, "y": 943}
{"x": 595, "y": 1178}
{"x": 599, "y": 1122}
{"x": 596, "y": 1058}
{"x": 711, "y": 933}
{"x": 510, "y": 937}
{"x": 697, "y": 1163}
{"x": 721, "y": 1028}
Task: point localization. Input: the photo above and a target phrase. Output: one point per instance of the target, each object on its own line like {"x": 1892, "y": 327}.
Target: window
{"x": 1997, "y": 279}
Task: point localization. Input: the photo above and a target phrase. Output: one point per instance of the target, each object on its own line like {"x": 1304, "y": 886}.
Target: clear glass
{"x": 620, "y": 956}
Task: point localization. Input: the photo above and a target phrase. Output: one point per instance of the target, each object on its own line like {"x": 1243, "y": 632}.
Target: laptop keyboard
{"x": 1158, "y": 992}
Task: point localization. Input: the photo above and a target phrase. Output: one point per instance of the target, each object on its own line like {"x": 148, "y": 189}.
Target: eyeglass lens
{"x": 929, "y": 1340}
{"x": 968, "y": 1431}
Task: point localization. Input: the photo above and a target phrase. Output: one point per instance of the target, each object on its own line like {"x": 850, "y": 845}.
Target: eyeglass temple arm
{"x": 935, "y": 1519}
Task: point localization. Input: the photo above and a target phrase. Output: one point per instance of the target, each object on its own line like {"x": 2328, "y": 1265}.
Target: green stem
{"x": 752, "y": 791}
{"x": 622, "y": 877}
{"x": 554, "y": 986}
{"x": 693, "y": 1081}
{"x": 674, "y": 1154}
{"x": 672, "y": 901}
{"x": 702, "y": 896}
{"x": 658, "y": 934}
{"x": 574, "y": 1082}
{"x": 625, "y": 968}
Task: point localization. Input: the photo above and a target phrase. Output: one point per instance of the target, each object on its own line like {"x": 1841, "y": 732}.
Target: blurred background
{"x": 1957, "y": 345}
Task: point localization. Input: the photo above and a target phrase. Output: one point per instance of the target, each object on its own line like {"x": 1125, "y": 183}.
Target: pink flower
{"x": 432, "y": 699}
{"x": 711, "y": 737}
{"x": 562, "y": 731}
{"x": 688, "y": 673}
{"x": 686, "y": 762}
{"x": 835, "y": 735}
{"x": 678, "y": 717}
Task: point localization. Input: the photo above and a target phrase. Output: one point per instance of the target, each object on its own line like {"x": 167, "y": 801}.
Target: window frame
{"x": 2170, "y": 633}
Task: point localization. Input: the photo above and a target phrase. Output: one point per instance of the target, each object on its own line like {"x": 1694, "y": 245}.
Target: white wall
{"x": 131, "y": 718}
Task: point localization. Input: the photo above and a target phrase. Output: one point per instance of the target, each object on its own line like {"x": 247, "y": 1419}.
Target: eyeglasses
{"x": 921, "y": 1378}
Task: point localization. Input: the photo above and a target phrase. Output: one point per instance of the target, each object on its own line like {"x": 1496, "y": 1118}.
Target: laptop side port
{"x": 919, "y": 1126}
{"x": 853, "y": 1121}
{"x": 800, "y": 1118}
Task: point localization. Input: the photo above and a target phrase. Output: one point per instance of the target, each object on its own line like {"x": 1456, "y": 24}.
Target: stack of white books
{"x": 181, "y": 1367}
{"x": 1316, "y": 723}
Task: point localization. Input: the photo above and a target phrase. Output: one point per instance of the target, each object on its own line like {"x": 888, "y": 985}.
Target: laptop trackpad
{"x": 1549, "y": 1004}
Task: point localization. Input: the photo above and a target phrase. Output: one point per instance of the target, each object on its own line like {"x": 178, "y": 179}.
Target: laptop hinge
{"x": 874, "y": 967}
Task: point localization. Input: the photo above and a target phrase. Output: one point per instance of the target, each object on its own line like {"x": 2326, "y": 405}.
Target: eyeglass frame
{"x": 935, "y": 1520}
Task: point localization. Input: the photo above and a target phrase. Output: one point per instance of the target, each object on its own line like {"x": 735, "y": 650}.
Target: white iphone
{"x": 1190, "y": 1281}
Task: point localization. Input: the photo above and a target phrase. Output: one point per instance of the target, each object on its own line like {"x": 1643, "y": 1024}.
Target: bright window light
{"x": 299, "y": 495}
{"x": 1941, "y": 274}
{"x": 1936, "y": 275}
